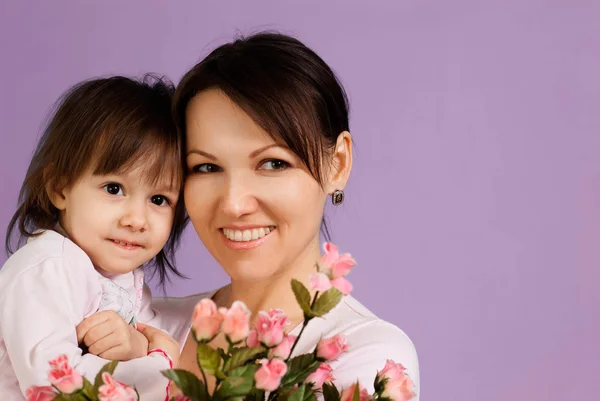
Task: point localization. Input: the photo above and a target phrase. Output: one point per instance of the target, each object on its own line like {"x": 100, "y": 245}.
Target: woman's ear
{"x": 341, "y": 163}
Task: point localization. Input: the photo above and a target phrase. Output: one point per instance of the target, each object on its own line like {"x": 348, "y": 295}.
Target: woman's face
{"x": 253, "y": 203}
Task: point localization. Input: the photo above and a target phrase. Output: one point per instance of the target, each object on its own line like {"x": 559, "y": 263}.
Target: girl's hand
{"x": 108, "y": 336}
{"x": 158, "y": 339}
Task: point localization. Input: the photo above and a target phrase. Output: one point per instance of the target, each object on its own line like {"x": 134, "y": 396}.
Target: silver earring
{"x": 337, "y": 197}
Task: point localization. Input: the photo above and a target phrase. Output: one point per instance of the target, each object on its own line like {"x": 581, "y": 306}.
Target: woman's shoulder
{"x": 174, "y": 314}
{"x": 371, "y": 342}
{"x": 353, "y": 319}
{"x": 180, "y": 305}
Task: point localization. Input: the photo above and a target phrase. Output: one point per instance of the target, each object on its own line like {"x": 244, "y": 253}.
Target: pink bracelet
{"x": 163, "y": 353}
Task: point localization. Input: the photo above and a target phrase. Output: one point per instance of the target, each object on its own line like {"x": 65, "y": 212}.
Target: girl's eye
{"x": 159, "y": 200}
{"x": 205, "y": 168}
{"x": 274, "y": 164}
{"x": 113, "y": 189}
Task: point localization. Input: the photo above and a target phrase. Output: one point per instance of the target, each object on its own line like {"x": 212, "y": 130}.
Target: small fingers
{"x": 116, "y": 353}
{"x": 98, "y": 332}
{"x": 112, "y": 340}
{"x": 97, "y": 318}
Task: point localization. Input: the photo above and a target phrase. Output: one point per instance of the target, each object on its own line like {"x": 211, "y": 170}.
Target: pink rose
{"x": 63, "y": 377}
{"x": 206, "y": 320}
{"x": 270, "y": 327}
{"x": 268, "y": 376}
{"x": 236, "y": 321}
{"x": 392, "y": 370}
{"x": 331, "y": 348}
{"x": 252, "y": 340}
{"x": 333, "y": 263}
{"x": 348, "y": 393}
{"x": 342, "y": 285}
{"x": 284, "y": 348}
{"x": 113, "y": 390}
{"x": 333, "y": 267}
{"x": 398, "y": 386}
{"x": 319, "y": 282}
{"x": 40, "y": 393}
{"x": 321, "y": 375}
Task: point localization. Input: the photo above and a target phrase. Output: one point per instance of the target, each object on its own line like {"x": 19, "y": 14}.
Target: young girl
{"x": 100, "y": 201}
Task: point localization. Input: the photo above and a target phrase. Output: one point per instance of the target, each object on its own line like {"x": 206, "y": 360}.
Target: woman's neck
{"x": 274, "y": 291}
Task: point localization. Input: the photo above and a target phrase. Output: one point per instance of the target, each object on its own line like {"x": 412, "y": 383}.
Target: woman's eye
{"x": 205, "y": 168}
{"x": 274, "y": 164}
{"x": 113, "y": 189}
{"x": 159, "y": 200}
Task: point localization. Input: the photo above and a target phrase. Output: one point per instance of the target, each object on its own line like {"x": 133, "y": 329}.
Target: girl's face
{"x": 120, "y": 221}
{"x": 254, "y": 205}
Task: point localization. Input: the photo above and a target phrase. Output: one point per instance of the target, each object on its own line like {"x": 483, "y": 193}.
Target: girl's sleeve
{"x": 39, "y": 312}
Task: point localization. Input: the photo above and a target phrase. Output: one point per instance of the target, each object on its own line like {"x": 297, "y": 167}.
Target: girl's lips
{"x": 125, "y": 244}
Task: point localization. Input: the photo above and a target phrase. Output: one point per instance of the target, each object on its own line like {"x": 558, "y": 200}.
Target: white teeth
{"x": 247, "y": 235}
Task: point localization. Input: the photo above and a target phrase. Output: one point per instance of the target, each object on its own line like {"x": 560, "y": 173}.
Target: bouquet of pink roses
{"x": 257, "y": 365}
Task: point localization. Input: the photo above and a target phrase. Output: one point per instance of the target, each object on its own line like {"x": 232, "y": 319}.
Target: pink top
{"x": 46, "y": 289}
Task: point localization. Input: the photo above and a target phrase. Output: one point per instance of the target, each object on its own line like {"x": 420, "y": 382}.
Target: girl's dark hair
{"x": 285, "y": 87}
{"x": 104, "y": 126}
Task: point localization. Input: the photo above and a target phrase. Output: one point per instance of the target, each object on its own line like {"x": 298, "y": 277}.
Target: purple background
{"x": 474, "y": 206}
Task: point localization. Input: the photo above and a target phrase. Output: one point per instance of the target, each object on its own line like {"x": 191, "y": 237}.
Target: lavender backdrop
{"x": 473, "y": 209}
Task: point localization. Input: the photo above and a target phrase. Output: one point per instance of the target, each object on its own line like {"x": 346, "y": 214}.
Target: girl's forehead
{"x": 154, "y": 169}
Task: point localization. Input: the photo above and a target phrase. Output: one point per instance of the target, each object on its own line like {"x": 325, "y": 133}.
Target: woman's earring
{"x": 337, "y": 197}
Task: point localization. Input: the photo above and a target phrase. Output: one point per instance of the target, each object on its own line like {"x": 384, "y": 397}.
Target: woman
{"x": 265, "y": 126}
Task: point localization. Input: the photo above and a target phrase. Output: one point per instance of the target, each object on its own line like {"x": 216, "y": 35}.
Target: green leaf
{"x": 299, "y": 368}
{"x": 63, "y": 397}
{"x": 223, "y": 354}
{"x": 256, "y": 395}
{"x": 326, "y": 302}
{"x": 356, "y": 395}
{"x": 379, "y": 384}
{"x": 239, "y": 383}
{"x": 303, "y": 393}
{"x": 302, "y": 296}
{"x": 78, "y": 396}
{"x": 89, "y": 390}
{"x": 188, "y": 383}
{"x": 208, "y": 358}
{"x": 110, "y": 368}
{"x": 240, "y": 356}
{"x": 330, "y": 392}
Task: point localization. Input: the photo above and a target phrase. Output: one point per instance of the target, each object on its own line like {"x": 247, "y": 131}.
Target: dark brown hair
{"x": 283, "y": 85}
{"x": 105, "y": 125}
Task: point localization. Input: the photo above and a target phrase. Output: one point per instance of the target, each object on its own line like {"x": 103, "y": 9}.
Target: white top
{"x": 371, "y": 341}
{"x": 46, "y": 289}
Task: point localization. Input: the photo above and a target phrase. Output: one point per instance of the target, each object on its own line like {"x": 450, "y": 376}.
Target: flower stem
{"x": 304, "y": 324}
{"x": 205, "y": 382}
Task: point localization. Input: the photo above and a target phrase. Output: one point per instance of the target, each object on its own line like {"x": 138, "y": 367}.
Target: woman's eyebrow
{"x": 202, "y": 153}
